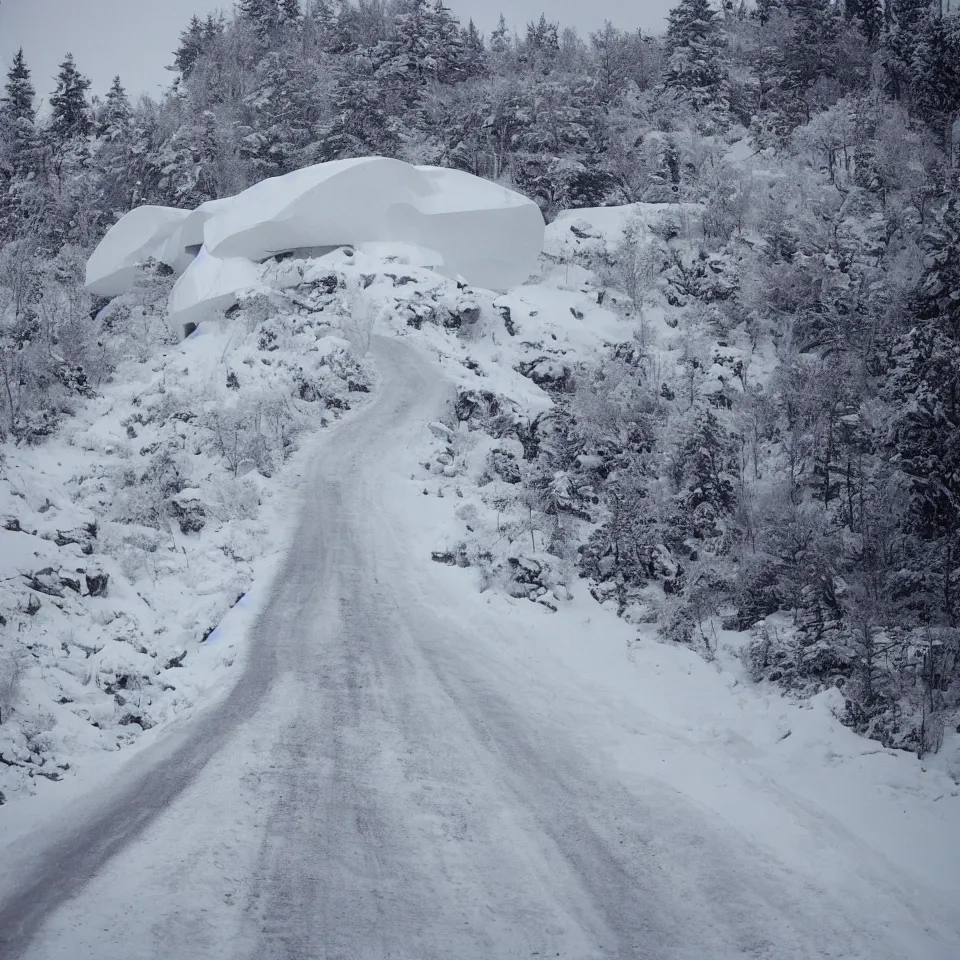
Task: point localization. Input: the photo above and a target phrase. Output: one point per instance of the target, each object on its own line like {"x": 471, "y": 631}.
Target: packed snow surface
{"x": 471, "y": 228}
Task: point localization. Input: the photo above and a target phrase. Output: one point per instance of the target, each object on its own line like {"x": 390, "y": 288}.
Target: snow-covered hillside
{"x": 519, "y": 473}
{"x": 853, "y": 825}
{"x": 151, "y": 513}
{"x": 129, "y": 534}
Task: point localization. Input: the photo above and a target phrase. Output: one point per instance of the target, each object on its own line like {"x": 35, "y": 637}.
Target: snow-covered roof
{"x": 469, "y": 227}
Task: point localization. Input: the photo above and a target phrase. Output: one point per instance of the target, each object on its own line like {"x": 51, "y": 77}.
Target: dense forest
{"x": 814, "y": 500}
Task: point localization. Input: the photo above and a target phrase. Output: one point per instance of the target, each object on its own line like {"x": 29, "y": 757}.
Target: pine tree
{"x": 70, "y": 110}
{"x": 544, "y": 36}
{"x": 263, "y": 15}
{"x": 908, "y": 18}
{"x": 361, "y": 124}
{"x": 803, "y": 62}
{"x": 811, "y": 52}
{"x": 936, "y": 72}
{"x": 290, "y": 11}
{"x": 213, "y": 28}
{"x": 765, "y": 9}
{"x": 20, "y": 149}
{"x": 474, "y": 53}
{"x": 284, "y": 110}
{"x": 705, "y": 463}
{"x": 113, "y": 123}
{"x": 610, "y": 61}
{"x": 869, "y": 15}
{"x": 19, "y": 94}
{"x": 333, "y": 25}
{"x": 500, "y": 38}
{"x": 191, "y": 45}
{"x": 696, "y": 68}
{"x": 924, "y": 388}
{"x": 427, "y": 45}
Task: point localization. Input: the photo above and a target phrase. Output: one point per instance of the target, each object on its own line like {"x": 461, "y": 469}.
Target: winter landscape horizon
{"x": 481, "y": 485}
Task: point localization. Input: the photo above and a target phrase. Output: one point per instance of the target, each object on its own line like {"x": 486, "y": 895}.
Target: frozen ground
{"x": 408, "y": 768}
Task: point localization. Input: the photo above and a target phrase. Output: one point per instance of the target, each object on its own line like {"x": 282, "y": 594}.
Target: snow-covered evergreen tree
{"x": 70, "y": 109}
{"x": 190, "y": 46}
{"x": 19, "y": 94}
{"x": 696, "y": 68}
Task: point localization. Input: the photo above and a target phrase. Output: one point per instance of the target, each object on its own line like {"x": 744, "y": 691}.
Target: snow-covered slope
{"x": 128, "y": 536}
{"x": 435, "y": 772}
{"x": 847, "y": 816}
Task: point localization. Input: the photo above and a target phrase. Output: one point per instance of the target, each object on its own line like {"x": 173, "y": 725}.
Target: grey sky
{"x": 135, "y": 37}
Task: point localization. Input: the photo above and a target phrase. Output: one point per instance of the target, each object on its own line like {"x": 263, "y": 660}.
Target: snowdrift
{"x": 137, "y": 236}
{"x": 210, "y": 284}
{"x": 469, "y": 227}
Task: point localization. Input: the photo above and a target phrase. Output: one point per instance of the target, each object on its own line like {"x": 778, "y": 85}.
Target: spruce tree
{"x": 500, "y": 38}
{"x": 936, "y": 72}
{"x": 544, "y": 35}
{"x": 811, "y": 52}
{"x": 290, "y": 11}
{"x": 427, "y": 45}
{"x": 113, "y": 123}
{"x": 899, "y": 44}
{"x": 803, "y": 62}
{"x": 213, "y": 28}
{"x": 19, "y": 146}
{"x": 924, "y": 389}
{"x": 191, "y": 45}
{"x": 119, "y": 157}
{"x": 264, "y": 15}
{"x": 70, "y": 110}
{"x": 869, "y": 15}
{"x": 474, "y": 53}
{"x": 19, "y": 94}
{"x": 764, "y": 10}
{"x": 696, "y": 68}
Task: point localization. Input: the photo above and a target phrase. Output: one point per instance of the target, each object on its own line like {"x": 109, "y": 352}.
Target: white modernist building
{"x": 464, "y": 226}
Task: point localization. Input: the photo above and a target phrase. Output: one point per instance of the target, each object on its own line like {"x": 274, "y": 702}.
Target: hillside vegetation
{"x": 759, "y": 443}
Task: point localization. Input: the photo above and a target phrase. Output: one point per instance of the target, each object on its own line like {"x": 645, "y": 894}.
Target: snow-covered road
{"x": 390, "y": 779}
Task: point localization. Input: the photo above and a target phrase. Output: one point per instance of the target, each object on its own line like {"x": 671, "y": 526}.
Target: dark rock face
{"x": 189, "y": 514}
{"x": 97, "y": 583}
{"x": 548, "y": 373}
{"x": 476, "y": 404}
{"x": 504, "y": 465}
{"x": 464, "y": 315}
{"x": 507, "y": 317}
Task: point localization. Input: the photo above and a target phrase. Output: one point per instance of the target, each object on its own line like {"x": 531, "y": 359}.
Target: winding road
{"x": 377, "y": 785}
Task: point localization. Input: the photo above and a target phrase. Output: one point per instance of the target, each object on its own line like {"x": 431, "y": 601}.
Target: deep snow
{"x": 473, "y": 228}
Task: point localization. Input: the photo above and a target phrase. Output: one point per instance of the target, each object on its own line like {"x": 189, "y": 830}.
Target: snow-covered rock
{"x": 209, "y": 285}
{"x": 488, "y": 234}
{"x": 457, "y": 224}
{"x": 137, "y": 236}
{"x": 183, "y": 244}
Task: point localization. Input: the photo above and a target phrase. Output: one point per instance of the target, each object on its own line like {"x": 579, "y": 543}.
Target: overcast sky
{"x": 134, "y": 38}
